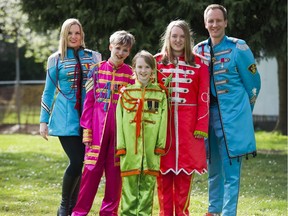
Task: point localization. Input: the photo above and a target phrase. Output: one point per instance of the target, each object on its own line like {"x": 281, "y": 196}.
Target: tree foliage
{"x": 14, "y": 26}
{"x": 15, "y": 33}
{"x": 145, "y": 19}
{"x": 262, "y": 24}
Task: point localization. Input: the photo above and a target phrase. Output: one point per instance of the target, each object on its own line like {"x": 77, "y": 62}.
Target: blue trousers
{"x": 223, "y": 172}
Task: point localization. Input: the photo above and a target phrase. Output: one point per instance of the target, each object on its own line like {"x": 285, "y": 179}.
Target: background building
{"x": 266, "y": 110}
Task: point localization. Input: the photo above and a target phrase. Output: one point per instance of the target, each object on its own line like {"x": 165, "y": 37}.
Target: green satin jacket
{"x": 141, "y": 128}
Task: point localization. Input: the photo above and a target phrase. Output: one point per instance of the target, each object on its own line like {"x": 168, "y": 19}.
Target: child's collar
{"x": 113, "y": 65}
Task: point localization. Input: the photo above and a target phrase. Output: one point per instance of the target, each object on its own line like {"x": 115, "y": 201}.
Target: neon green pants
{"x": 137, "y": 195}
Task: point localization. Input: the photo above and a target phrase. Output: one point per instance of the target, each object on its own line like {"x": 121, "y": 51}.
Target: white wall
{"x": 268, "y": 99}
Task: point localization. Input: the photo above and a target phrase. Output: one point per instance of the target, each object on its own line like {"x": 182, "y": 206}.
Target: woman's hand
{"x": 88, "y": 143}
{"x": 43, "y": 130}
{"x": 198, "y": 136}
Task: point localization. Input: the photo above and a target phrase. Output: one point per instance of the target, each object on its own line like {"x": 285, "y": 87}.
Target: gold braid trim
{"x": 130, "y": 100}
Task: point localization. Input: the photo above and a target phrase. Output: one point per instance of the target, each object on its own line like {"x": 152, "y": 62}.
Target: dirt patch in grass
{"x": 22, "y": 129}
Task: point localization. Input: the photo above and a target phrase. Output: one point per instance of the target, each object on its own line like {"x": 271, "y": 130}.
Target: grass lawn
{"x": 31, "y": 171}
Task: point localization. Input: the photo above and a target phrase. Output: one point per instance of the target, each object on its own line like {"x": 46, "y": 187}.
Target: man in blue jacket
{"x": 234, "y": 87}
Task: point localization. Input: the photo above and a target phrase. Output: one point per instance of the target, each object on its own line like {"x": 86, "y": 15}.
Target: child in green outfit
{"x": 141, "y": 136}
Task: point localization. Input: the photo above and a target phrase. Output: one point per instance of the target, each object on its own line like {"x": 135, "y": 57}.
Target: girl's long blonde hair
{"x": 188, "y": 47}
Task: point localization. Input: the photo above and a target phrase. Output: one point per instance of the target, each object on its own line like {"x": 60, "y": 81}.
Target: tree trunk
{"x": 281, "y": 125}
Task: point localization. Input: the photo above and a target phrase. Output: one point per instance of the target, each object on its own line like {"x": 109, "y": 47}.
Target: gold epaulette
{"x": 98, "y": 64}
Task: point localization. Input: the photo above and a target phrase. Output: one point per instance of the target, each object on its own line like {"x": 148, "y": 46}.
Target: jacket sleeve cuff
{"x": 159, "y": 151}
{"x": 87, "y": 135}
{"x": 120, "y": 152}
{"x": 196, "y": 132}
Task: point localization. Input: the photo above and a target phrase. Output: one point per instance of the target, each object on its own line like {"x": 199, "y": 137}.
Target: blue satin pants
{"x": 223, "y": 172}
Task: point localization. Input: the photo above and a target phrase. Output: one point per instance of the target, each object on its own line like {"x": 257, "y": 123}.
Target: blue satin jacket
{"x": 59, "y": 111}
{"x": 236, "y": 82}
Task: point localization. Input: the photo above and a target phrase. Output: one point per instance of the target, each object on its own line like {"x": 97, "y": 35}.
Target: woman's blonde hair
{"x": 63, "y": 42}
{"x": 188, "y": 46}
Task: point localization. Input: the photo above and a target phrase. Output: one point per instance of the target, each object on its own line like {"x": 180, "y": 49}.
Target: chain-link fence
{"x": 20, "y": 104}
{"x": 24, "y": 108}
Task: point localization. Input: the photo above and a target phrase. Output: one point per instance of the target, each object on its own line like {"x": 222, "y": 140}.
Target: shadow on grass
{"x": 266, "y": 174}
{"x": 263, "y": 176}
{"x": 30, "y": 182}
{"x": 31, "y": 166}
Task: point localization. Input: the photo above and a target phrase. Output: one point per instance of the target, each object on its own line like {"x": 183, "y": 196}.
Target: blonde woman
{"x": 60, "y": 115}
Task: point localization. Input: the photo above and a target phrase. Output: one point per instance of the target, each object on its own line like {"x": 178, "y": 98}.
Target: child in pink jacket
{"x": 99, "y": 123}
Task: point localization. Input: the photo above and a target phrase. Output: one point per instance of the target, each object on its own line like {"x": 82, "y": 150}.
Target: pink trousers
{"x": 92, "y": 175}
